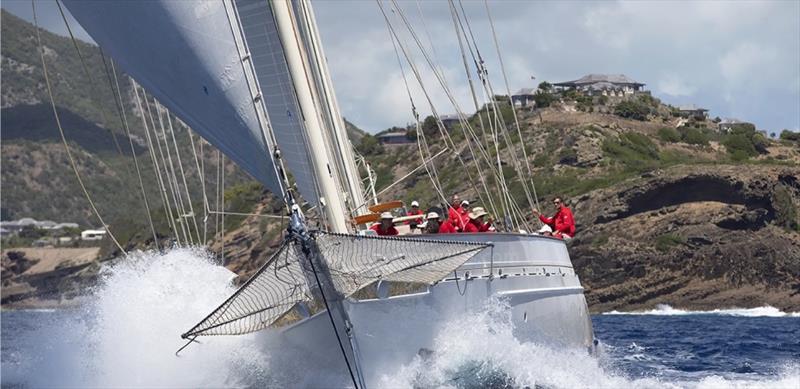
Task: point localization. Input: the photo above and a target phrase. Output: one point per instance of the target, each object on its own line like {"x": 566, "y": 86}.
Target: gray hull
{"x": 532, "y": 275}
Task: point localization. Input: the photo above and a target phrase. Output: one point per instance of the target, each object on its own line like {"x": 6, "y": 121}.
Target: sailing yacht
{"x": 250, "y": 76}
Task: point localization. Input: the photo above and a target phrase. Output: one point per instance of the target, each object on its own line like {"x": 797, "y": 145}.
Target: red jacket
{"x": 475, "y": 226}
{"x": 390, "y": 231}
{"x": 562, "y": 222}
{"x": 458, "y": 216}
{"x": 447, "y": 227}
{"x": 412, "y": 213}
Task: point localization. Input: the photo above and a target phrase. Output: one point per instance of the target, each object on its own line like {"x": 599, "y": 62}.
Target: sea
{"x": 126, "y": 332}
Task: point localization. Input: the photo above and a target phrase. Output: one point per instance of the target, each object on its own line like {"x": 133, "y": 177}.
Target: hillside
{"x": 669, "y": 209}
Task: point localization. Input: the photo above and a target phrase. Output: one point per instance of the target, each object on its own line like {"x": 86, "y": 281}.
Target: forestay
{"x": 184, "y": 54}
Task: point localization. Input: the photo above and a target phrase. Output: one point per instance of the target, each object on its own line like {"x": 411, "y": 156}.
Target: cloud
{"x": 673, "y": 85}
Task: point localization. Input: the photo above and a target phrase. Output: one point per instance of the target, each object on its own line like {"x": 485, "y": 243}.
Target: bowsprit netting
{"x": 357, "y": 261}
{"x": 271, "y": 292}
{"x": 351, "y": 263}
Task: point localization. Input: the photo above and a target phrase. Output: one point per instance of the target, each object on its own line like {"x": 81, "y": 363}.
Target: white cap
{"x": 465, "y": 202}
{"x": 432, "y": 215}
{"x": 414, "y": 203}
{"x": 387, "y": 215}
{"x": 545, "y": 228}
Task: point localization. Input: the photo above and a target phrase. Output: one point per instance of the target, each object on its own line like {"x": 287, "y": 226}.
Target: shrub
{"x": 739, "y": 146}
{"x": 634, "y": 150}
{"x": 694, "y": 136}
{"x": 668, "y": 134}
{"x": 790, "y": 136}
{"x": 369, "y": 145}
{"x": 785, "y": 212}
{"x": 632, "y": 109}
{"x": 667, "y": 241}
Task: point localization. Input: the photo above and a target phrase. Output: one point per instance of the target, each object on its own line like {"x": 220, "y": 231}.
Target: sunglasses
{"x": 556, "y": 202}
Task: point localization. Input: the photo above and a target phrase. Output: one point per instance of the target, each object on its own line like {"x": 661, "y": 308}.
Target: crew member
{"x": 457, "y": 212}
{"x": 447, "y": 227}
{"x": 386, "y": 226}
{"x": 562, "y": 223}
{"x": 476, "y": 223}
{"x": 432, "y": 223}
{"x": 413, "y": 212}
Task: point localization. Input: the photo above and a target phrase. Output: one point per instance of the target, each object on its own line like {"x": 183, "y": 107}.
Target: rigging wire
{"x": 418, "y": 77}
{"x": 169, "y": 173}
{"x": 513, "y": 110}
{"x": 183, "y": 177}
{"x": 153, "y": 157}
{"x": 63, "y": 137}
{"x": 133, "y": 152}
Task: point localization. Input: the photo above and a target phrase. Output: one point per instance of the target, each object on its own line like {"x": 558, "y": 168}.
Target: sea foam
{"x": 666, "y": 310}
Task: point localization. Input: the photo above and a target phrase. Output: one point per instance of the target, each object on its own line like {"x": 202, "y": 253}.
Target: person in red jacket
{"x": 476, "y": 223}
{"x": 447, "y": 227}
{"x": 413, "y": 212}
{"x": 457, "y": 213}
{"x": 562, "y": 223}
{"x": 386, "y": 226}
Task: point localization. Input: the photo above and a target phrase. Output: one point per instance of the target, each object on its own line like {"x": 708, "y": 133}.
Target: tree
{"x": 545, "y": 86}
{"x": 429, "y": 126}
{"x": 543, "y": 100}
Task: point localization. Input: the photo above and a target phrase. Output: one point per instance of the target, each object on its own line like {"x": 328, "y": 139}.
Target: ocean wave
{"x": 666, "y": 310}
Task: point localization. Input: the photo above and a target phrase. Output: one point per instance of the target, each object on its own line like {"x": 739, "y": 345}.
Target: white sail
{"x": 286, "y": 119}
{"x": 184, "y": 53}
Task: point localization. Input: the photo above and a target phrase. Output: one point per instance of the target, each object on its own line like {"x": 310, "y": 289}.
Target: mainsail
{"x": 184, "y": 54}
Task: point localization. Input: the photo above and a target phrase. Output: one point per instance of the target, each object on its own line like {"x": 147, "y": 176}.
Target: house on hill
{"x": 394, "y": 138}
{"x": 692, "y": 111}
{"x": 449, "y": 120}
{"x": 523, "y": 97}
{"x": 603, "y": 85}
{"x": 728, "y": 124}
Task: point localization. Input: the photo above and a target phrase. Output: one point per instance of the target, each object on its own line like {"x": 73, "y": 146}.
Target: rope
{"x": 133, "y": 153}
{"x": 201, "y": 174}
{"x": 183, "y": 176}
{"x": 164, "y": 196}
{"x": 172, "y": 179}
{"x": 513, "y": 109}
{"x": 63, "y": 137}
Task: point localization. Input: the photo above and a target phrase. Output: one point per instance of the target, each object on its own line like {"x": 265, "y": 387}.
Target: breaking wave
{"x": 479, "y": 350}
{"x": 666, "y": 310}
{"x": 127, "y": 331}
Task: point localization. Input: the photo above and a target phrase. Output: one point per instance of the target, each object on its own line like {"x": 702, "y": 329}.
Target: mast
{"x": 338, "y": 130}
{"x": 331, "y": 197}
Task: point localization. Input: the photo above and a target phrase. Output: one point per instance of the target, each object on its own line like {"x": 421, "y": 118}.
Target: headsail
{"x": 184, "y": 53}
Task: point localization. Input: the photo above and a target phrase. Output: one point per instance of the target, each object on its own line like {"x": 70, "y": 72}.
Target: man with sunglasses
{"x": 562, "y": 223}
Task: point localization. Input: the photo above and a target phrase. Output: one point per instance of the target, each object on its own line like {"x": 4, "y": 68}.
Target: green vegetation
{"x": 790, "y": 136}
{"x": 639, "y": 108}
{"x": 667, "y": 241}
{"x": 634, "y": 150}
{"x": 694, "y": 136}
{"x": 669, "y": 134}
{"x": 241, "y": 199}
{"x": 786, "y": 213}
{"x": 744, "y": 142}
{"x": 544, "y": 99}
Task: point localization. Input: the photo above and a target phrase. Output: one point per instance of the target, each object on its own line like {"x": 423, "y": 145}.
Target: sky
{"x": 739, "y": 59}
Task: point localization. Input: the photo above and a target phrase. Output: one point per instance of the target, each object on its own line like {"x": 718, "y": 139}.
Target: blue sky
{"x": 739, "y": 59}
